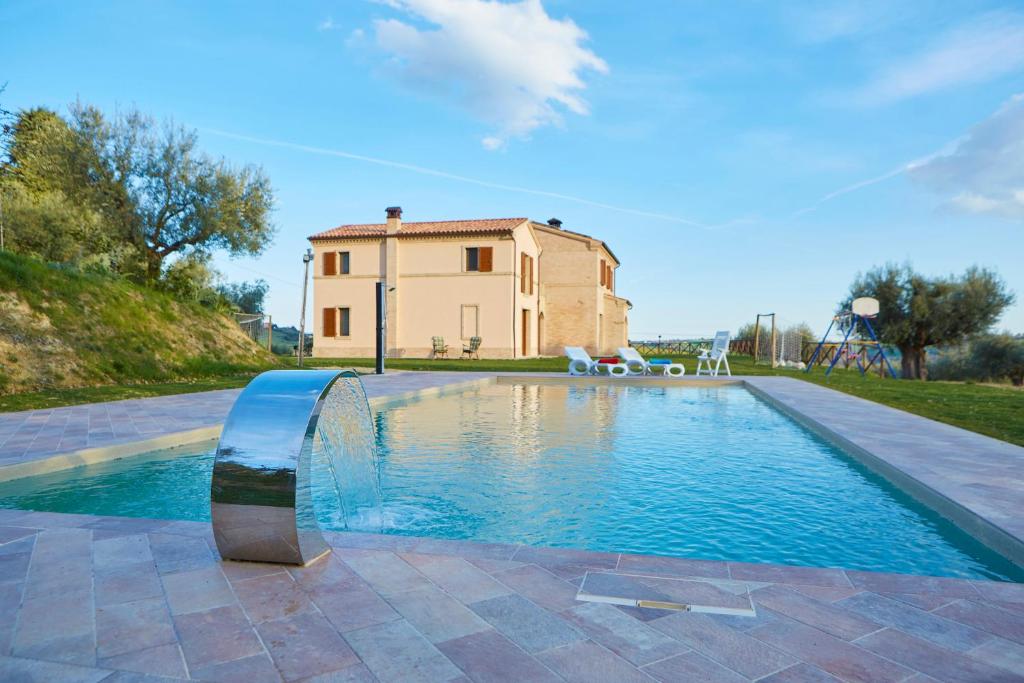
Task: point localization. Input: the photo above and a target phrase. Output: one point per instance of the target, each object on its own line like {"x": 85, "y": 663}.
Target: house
{"x": 525, "y": 288}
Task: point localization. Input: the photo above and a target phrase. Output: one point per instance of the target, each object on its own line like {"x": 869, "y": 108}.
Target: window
{"x": 480, "y": 259}
{"x": 344, "y": 319}
{"x": 343, "y": 255}
{"x": 604, "y": 272}
{"x": 330, "y": 322}
{"x": 330, "y": 259}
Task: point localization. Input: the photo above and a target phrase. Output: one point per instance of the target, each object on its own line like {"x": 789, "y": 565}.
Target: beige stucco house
{"x": 525, "y": 288}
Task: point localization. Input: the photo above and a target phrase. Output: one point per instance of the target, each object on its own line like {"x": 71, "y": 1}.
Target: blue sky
{"x": 738, "y": 157}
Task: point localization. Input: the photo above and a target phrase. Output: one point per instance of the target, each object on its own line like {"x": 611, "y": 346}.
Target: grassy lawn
{"x": 70, "y": 397}
{"x": 992, "y": 410}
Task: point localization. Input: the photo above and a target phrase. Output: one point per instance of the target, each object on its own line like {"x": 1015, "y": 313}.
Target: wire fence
{"x": 257, "y": 327}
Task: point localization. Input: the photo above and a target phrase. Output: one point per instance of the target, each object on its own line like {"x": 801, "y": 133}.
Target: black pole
{"x": 380, "y": 328}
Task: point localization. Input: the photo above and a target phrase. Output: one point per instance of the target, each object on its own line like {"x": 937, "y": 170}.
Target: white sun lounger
{"x": 580, "y": 363}
{"x": 717, "y": 355}
{"x": 638, "y": 366}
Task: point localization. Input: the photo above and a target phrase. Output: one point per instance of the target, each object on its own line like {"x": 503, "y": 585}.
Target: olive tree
{"x": 916, "y": 311}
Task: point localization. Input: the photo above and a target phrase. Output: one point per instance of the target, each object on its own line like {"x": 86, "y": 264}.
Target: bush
{"x": 999, "y": 356}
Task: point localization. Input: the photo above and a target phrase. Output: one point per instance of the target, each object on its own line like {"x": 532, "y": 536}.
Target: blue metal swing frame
{"x": 846, "y": 344}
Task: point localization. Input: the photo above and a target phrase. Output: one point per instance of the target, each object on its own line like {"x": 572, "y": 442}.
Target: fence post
{"x": 270, "y": 333}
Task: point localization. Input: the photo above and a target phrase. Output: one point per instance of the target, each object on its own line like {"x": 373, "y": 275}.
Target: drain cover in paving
{"x": 684, "y": 595}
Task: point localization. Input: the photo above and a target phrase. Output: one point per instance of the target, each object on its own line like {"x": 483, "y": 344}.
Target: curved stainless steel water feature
{"x": 260, "y": 498}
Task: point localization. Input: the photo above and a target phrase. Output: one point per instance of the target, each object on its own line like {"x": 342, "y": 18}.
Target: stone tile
{"x": 625, "y": 636}
{"x": 554, "y": 557}
{"x": 437, "y": 615}
{"x": 215, "y": 636}
{"x": 923, "y": 601}
{"x": 1002, "y": 653}
{"x": 877, "y": 582}
{"x": 352, "y": 605}
{"x": 931, "y": 659}
{"x": 916, "y": 622}
{"x": 672, "y": 566}
{"x": 121, "y": 550}
{"x": 395, "y": 651}
{"x": 357, "y": 673}
{"x": 531, "y": 627}
{"x": 162, "y": 660}
{"x": 540, "y": 586}
{"x": 54, "y": 520}
{"x": 457, "y": 577}
{"x": 584, "y": 661}
{"x": 491, "y": 566}
{"x": 1000, "y": 591}
{"x": 132, "y": 626}
{"x": 326, "y": 572}
{"x": 14, "y": 566}
{"x": 255, "y": 669}
{"x": 126, "y": 583}
{"x": 13, "y": 533}
{"x": 274, "y": 596}
{"x": 240, "y": 571}
{"x": 465, "y": 549}
{"x": 176, "y": 553}
{"x": 800, "y": 673}
{"x": 136, "y": 677}
{"x": 997, "y": 621}
{"x": 197, "y": 590}
{"x": 386, "y": 572}
{"x": 304, "y": 645}
{"x": 490, "y": 656}
{"x": 19, "y": 670}
{"x": 838, "y": 657}
{"x": 830, "y": 618}
{"x": 692, "y": 666}
{"x": 779, "y": 573}
{"x": 825, "y": 593}
{"x": 74, "y": 639}
{"x": 129, "y": 525}
{"x": 733, "y": 649}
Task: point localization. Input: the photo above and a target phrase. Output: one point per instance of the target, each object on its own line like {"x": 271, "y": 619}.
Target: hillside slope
{"x": 60, "y": 328}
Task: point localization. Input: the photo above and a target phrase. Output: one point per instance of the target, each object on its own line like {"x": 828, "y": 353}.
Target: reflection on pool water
{"x": 710, "y": 473}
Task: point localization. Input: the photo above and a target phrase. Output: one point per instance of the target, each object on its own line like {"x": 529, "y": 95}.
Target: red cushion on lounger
{"x": 612, "y": 361}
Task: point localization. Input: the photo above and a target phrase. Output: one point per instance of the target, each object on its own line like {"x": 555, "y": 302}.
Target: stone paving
{"x": 37, "y": 434}
{"x": 86, "y": 598}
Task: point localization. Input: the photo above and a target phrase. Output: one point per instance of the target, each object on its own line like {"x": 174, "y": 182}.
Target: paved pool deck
{"x": 85, "y": 598}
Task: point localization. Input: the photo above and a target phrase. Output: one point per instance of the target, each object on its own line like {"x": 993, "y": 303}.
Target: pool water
{"x": 712, "y": 473}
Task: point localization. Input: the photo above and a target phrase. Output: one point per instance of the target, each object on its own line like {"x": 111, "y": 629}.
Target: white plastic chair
{"x": 717, "y": 355}
{"x": 638, "y": 366}
{"x": 580, "y": 363}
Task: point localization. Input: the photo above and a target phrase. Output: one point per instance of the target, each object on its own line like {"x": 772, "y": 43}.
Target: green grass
{"x": 70, "y": 397}
{"x": 991, "y": 410}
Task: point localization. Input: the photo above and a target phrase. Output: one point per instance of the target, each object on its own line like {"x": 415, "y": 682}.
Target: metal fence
{"x": 257, "y": 327}
{"x": 693, "y": 347}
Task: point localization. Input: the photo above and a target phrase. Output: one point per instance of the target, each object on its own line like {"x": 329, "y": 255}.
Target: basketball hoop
{"x": 865, "y": 307}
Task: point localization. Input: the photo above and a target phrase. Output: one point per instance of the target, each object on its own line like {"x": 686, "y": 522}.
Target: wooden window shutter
{"x": 330, "y": 322}
{"x": 486, "y": 259}
{"x": 531, "y": 275}
{"x": 330, "y": 263}
{"x": 611, "y": 275}
{"x": 604, "y": 272}
{"x": 522, "y": 272}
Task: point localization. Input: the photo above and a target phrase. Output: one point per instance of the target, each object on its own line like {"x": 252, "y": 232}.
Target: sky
{"x": 738, "y": 157}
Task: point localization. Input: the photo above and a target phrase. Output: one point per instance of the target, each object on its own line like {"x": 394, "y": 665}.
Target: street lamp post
{"x": 306, "y": 259}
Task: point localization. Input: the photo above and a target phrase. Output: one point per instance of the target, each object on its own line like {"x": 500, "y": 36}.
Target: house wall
{"x": 432, "y": 293}
{"x": 578, "y": 310}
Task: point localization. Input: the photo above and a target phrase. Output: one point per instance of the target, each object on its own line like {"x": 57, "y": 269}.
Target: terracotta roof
{"x": 467, "y": 227}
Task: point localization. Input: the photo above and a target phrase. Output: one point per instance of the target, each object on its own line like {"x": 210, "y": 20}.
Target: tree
{"x": 916, "y": 311}
{"x": 172, "y": 198}
{"x": 247, "y": 297}
{"x": 999, "y": 356}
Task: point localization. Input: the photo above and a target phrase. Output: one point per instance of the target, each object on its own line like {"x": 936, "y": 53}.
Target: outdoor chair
{"x": 717, "y": 355}
{"x": 472, "y": 350}
{"x": 440, "y": 348}
{"x": 580, "y": 363}
{"x": 638, "y": 366}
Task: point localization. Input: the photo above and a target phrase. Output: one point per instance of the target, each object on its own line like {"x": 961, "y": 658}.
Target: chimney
{"x": 555, "y": 223}
{"x": 394, "y": 219}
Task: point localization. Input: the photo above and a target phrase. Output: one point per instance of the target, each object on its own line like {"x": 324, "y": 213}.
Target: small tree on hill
{"x": 916, "y": 311}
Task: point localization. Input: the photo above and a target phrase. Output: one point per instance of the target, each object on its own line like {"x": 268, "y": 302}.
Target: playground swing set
{"x": 864, "y": 350}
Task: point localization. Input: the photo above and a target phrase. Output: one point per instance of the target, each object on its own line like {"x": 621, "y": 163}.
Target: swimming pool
{"x": 712, "y": 473}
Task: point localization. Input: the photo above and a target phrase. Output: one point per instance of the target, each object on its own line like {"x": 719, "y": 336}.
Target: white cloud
{"x": 984, "y": 172}
{"x": 508, "y": 63}
{"x": 978, "y": 51}
{"x": 327, "y": 24}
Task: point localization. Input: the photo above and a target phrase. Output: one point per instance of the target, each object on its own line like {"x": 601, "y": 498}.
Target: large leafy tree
{"x": 916, "y": 311}
{"x": 136, "y": 186}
